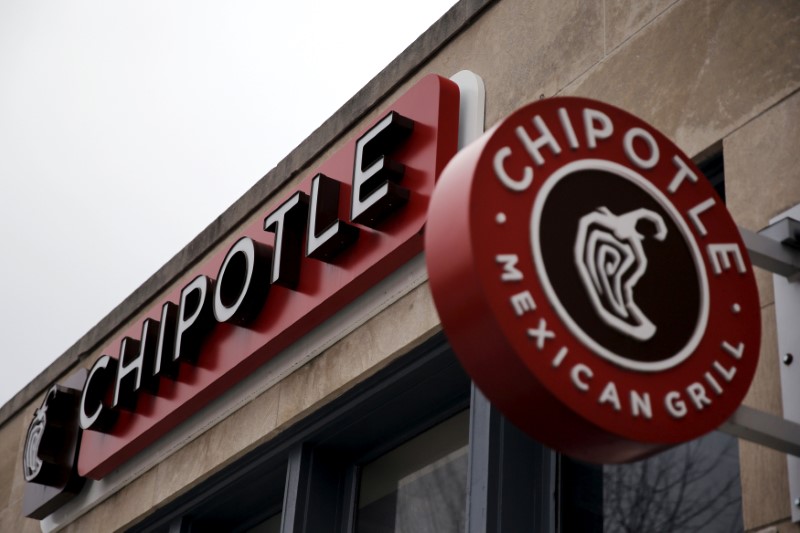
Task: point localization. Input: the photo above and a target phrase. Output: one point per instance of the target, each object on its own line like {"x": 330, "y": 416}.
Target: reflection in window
{"x": 419, "y": 487}
{"x": 691, "y": 488}
{"x": 694, "y": 487}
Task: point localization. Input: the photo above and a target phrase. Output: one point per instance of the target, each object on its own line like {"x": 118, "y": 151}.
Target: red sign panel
{"x": 592, "y": 282}
{"x": 381, "y": 184}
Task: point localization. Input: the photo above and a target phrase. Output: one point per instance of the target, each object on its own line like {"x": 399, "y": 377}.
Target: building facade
{"x": 363, "y": 420}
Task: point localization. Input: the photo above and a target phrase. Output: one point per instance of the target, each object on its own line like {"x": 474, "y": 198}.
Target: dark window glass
{"x": 270, "y": 525}
{"x": 249, "y": 504}
{"x": 420, "y": 486}
{"x": 714, "y": 169}
{"x": 694, "y": 487}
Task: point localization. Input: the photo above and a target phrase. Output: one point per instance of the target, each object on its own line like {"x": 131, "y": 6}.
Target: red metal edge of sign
{"x": 231, "y": 352}
{"x": 524, "y": 317}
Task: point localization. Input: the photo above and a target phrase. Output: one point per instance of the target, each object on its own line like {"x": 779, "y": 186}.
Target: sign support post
{"x": 783, "y": 233}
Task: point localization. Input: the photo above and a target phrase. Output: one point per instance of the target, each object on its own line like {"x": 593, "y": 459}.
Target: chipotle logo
{"x": 596, "y": 288}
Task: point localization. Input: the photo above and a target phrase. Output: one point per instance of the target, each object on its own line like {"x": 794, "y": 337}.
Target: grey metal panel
{"x": 765, "y": 429}
{"x": 511, "y": 477}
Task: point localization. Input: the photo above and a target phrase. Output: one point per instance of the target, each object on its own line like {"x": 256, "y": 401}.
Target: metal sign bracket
{"x": 776, "y": 248}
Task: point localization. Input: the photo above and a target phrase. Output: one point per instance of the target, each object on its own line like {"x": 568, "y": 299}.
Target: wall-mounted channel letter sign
{"x": 353, "y": 220}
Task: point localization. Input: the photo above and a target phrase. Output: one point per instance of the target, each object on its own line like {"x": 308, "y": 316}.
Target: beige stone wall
{"x": 710, "y": 74}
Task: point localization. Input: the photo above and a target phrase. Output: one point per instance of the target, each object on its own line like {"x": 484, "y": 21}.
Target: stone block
{"x": 524, "y": 50}
{"x": 624, "y": 18}
{"x": 10, "y": 454}
{"x": 765, "y": 485}
{"x": 765, "y": 391}
{"x": 183, "y": 468}
{"x": 766, "y": 291}
{"x": 242, "y": 431}
{"x": 762, "y": 177}
{"x": 703, "y": 68}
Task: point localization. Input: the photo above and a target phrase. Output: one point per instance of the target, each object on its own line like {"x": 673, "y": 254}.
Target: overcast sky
{"x": 127, "y": 127}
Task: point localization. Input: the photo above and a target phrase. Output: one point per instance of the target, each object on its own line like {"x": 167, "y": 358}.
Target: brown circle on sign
{"x": 671, "y": 267}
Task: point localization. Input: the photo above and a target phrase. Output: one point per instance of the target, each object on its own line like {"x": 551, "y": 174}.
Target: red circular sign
{"x": 592, "y": 282}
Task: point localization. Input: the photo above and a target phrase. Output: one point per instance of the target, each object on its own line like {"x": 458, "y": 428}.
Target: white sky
{"x": 127, "y": 127}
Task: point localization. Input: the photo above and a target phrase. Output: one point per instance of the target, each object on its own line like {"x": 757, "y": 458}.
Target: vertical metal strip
{"x": 511, "y": 477}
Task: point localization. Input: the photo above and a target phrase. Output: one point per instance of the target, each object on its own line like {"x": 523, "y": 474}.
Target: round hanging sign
{"x": 591, "y": 281}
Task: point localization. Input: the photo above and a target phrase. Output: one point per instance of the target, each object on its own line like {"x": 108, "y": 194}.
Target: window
{"x": 693, "y": 487}
{"x": 415, "y": 441}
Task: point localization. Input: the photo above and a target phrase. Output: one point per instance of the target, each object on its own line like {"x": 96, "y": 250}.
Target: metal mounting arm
{"x": 776, "y": 248}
